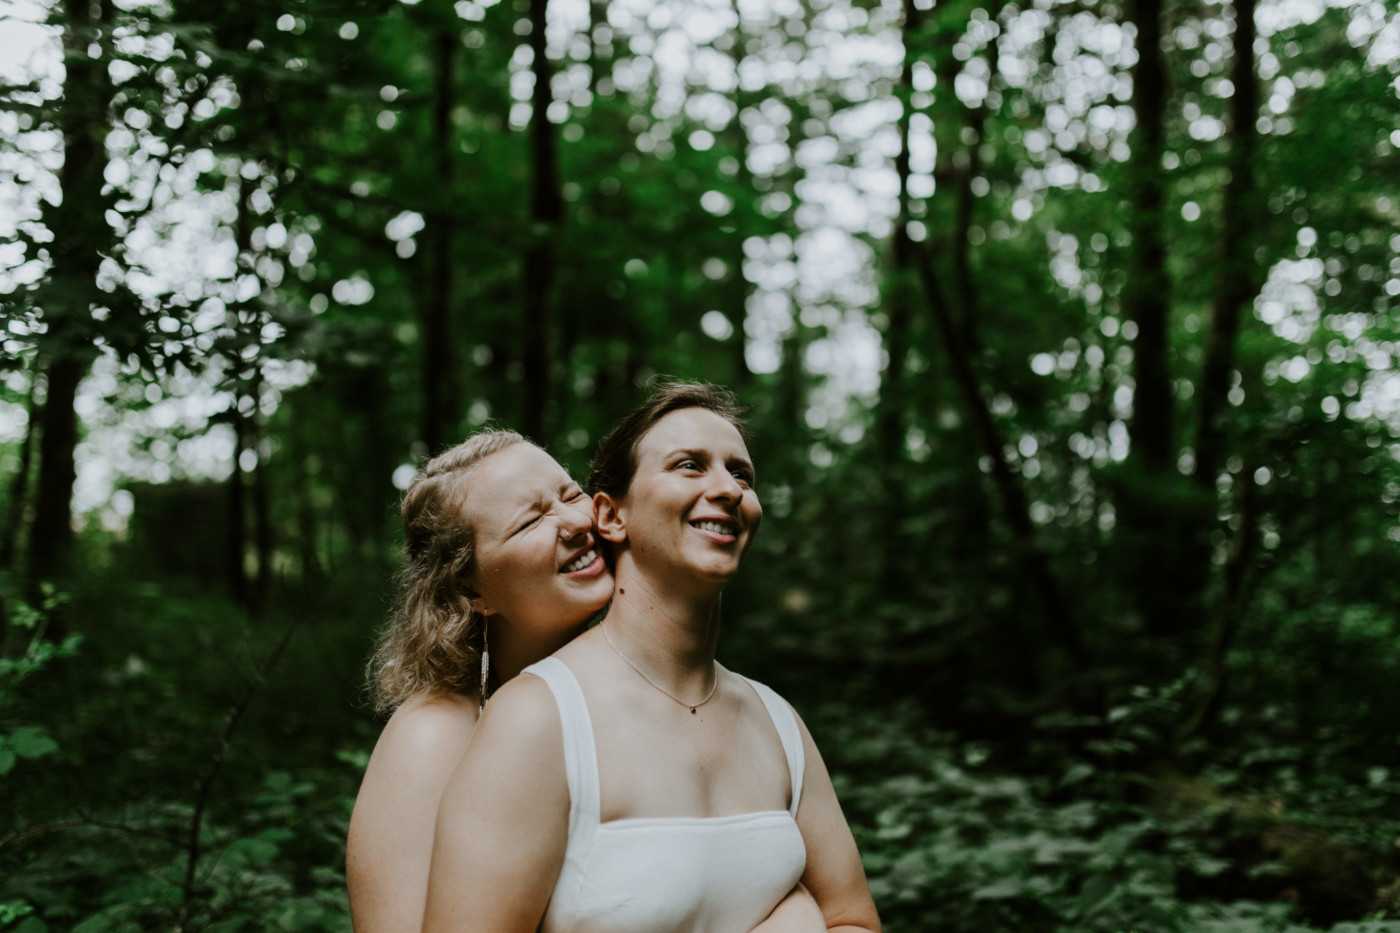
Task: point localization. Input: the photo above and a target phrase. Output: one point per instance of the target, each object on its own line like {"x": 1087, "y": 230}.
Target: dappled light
{"x": 1068, "y": 333}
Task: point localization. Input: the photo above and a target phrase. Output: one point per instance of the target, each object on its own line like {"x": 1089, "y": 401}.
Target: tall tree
{"x": 69, "y": 296}
{"x": 546, "y": 214}
{"x": 437, "y": 307}
{"x": 1237, "y": 278}
{"x": 1146, "y": 293}
{"x": 1149, "y": 520}
{"x": 1237, "y": 281}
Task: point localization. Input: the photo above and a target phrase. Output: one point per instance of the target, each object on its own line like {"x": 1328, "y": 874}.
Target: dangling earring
{"x": 485, "y": 664}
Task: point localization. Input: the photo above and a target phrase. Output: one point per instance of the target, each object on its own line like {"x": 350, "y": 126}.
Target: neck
{"x": 513, "y": 650}
{"x": 670, "y": 634}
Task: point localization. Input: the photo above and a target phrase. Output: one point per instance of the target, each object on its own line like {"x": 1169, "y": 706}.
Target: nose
{"x": 726, "y": 488}
{"x": 574, "y": 523}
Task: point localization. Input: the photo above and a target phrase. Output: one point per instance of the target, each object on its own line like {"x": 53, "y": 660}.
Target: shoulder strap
{"x": 580, "y": 755}
{"x": 785, "y": 721}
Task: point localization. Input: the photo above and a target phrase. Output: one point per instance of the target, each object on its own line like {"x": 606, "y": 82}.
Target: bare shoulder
{"x": 420, "y": 745}
{"x": 754, "y": 700}
{"x": 515, "y": 760}
{"x": 522, "y": 710}
{"x": 436, "y": 721}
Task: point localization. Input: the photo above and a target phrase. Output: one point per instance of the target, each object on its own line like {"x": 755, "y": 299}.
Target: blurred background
{"x": 1069, "y": 334}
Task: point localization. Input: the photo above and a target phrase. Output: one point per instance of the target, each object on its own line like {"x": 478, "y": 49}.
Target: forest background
{"x": 1069, "y": 332}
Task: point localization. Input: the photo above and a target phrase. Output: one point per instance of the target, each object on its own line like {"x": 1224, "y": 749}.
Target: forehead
{"x": 692, "y": 428}
{"x": 509, "y": 479}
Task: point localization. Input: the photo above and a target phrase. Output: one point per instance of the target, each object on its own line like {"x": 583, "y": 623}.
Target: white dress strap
{"x": 785, "y": 721}
{"x": 580, "y": 755}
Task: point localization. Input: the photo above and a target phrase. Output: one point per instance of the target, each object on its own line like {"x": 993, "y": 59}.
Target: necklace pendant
{"x": 692, "y": 711}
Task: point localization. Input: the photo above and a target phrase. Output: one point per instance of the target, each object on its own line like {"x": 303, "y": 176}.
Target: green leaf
{"x": 31, "y": 742}
{"x": 1005, "y": 889}
{"x": 10, "y": 911}
{"x": 1095, "y": 893}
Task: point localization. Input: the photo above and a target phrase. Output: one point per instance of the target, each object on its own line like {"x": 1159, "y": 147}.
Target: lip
{"x": 717, "y": 538}
{"x": 591, "y": 570}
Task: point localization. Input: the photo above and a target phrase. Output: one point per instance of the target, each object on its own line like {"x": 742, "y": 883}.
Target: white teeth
{"x": 582, "y": 562}
{"x": 718, "y": 528}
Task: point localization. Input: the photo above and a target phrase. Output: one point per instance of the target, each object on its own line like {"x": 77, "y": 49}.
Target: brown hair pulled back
{"x": 433, "y": 644}
{"x": 616, "y": 461}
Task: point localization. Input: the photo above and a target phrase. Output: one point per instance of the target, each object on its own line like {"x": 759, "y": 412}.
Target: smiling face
{"x": 536, "y": 566}
{"x": 691, "y": 508}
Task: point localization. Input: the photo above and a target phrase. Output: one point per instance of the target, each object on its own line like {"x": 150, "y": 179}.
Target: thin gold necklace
{"x": 660, "y": 688}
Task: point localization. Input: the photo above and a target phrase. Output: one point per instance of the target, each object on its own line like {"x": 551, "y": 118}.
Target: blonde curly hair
{"x": 434, "y": 642}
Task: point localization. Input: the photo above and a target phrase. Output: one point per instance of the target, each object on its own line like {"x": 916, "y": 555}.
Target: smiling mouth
{"x": 727, "y": 529}
{"x": 585, "y": 559}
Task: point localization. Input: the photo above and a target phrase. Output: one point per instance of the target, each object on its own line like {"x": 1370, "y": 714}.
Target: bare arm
{"x": 834, "y": 874}
{"x": 503, "y": 823}
{"x": 391, "y": 830}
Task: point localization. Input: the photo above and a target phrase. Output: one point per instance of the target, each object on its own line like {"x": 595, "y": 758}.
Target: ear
{"x": 478, "y": 602}
{"x": 612, "y": 526}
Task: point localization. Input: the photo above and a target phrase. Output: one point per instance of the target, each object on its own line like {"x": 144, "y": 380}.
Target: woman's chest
{"x": 720, "y": 875}
{"x": 702, "y": 772}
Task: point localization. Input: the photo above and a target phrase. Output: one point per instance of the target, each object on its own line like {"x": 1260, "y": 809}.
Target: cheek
{"x": 754, "y": 508}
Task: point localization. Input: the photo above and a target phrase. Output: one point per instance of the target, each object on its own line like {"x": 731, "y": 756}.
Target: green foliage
{"x": 26, "y": 626}
{"x": 138, "y": 850}
{"x": 365, "y": 172}
{"x": 952, "y": 840}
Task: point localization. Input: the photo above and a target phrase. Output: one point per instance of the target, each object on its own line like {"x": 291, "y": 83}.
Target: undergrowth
{"x": 193, "y": 785}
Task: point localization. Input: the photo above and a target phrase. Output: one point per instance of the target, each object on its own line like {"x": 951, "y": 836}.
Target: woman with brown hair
{"x": 501, "y": 571}
{"x": 633, "y": 784}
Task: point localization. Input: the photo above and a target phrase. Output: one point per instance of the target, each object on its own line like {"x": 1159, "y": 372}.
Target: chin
{"x": 719, "y": 574}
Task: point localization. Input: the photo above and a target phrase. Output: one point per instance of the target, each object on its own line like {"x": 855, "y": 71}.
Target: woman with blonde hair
{"x": 632, "y": 783}
{"x": 501, "y": 570}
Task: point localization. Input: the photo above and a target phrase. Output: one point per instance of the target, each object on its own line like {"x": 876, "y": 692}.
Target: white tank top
{"x": 719, "y": 874}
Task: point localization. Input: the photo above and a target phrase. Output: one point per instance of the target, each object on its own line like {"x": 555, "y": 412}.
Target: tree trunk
{"x": 964, "y": 282}
{"x": 80, "y": 231}
{"x": 262, "y": 507}
{"x": 1145, "y": 294}
{"x": 1225, "y": 620}
{"x": 737, "y": 138}
{"x": 19, "y": 483}
{"x": 890, "y": 415}
{"x": 51, "y": 534}
{"x": 1236, "y": 282}
{"x": 546, "y": 212}
{"x": 1013, "y": 497}
{"x": 1152, "y": 530}
{"x": 437, "y": 312}
{"x": 236, "y": 542}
